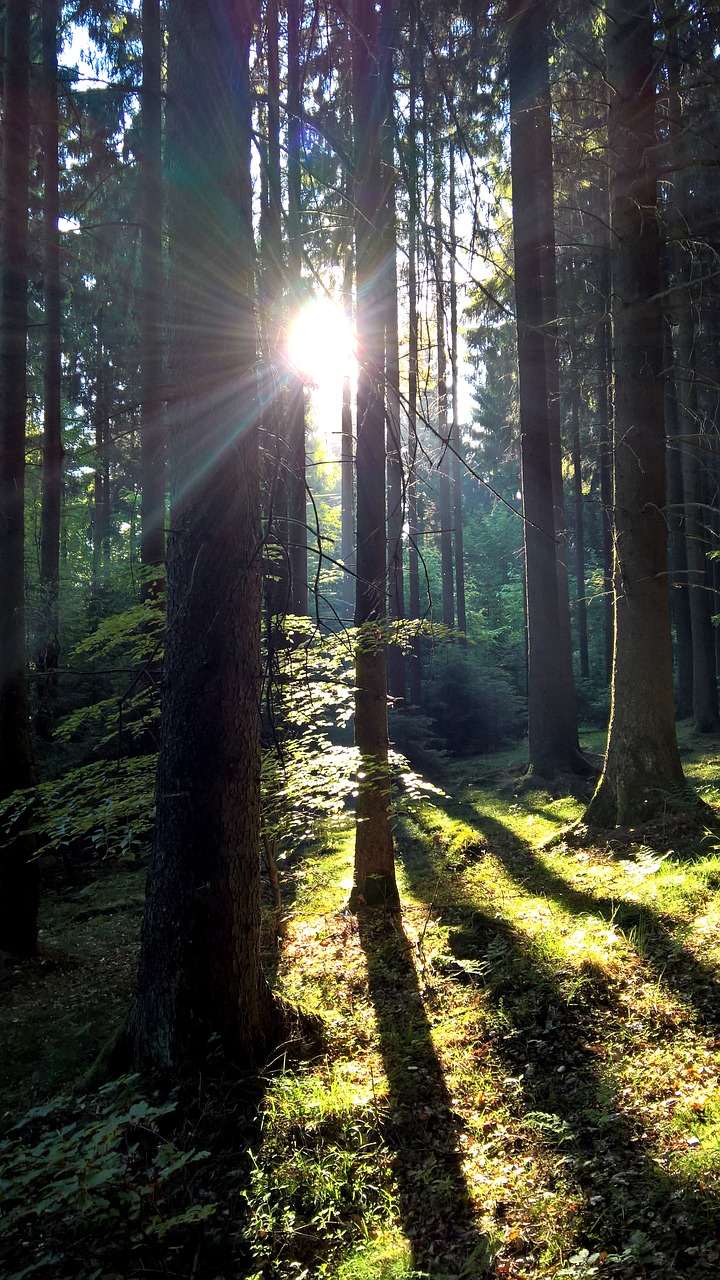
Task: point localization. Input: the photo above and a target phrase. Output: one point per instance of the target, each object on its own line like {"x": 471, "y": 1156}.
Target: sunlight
{"x": 320, "y": 342}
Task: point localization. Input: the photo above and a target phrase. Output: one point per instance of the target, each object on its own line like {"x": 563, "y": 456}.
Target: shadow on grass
{"x": 422, "y": 1130}
{"x": 620, "y": 1202}
{"x": 649, "y": 931}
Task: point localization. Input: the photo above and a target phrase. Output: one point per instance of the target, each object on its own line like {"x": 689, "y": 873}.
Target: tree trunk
{"x": 642, "y": 772}
{"x": 552, "y": 726}
{"x": 298, "y": 533}
{"x": 577, "y": 480}
{"x": 374, "y": 880}
{"x": 445, "y": 506}
{"x": 680, "y": 592}
{"x": 152, "y": 424}
{"x": 704, "y": 696}
{"x": 52, "y": 457}
{"x": 347, "y": 450}
{"x": 18, "y": 868}
{"x": 457, "y": 463}
{"x": 200, "y": 970}
{"x": 415, "y": 665}
{"x": 395, "y": 487}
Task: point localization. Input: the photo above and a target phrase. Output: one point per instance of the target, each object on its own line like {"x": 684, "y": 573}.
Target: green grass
{"x": 522, "y": 1082}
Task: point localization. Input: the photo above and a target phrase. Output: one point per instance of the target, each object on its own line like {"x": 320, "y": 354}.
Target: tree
{"x": 552, "y": 723}
{"x": 200, "y": 968}
{"x": 52, "y": 464}
{"x": 642, "y": 771}
{"x": 18, "y": 868}
{"x": 374, "y": 876}
{"x": 152, "y": 427}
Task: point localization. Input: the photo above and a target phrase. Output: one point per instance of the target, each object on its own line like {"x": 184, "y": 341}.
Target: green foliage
{"x": 104, "y": 808}
{"x": 472, "y": 710}
{"x": 90, "y": 1184}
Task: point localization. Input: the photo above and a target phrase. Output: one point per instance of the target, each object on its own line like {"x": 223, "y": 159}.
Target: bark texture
{"x": 18, "y": 870}
{"x": 200, "y": 970}
{"x": 374, "y": 880}
{"x": 642, "y": 772}
{"x": 552, "y": 725}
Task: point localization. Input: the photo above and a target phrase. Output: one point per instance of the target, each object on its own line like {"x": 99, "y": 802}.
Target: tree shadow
{"x": 648, "y": 1221}
{"x": 650, "y": 931}
{"x": 422, "y": 1129}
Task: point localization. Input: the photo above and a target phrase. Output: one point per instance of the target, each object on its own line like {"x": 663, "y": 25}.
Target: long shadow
{"x": 647, "y": 1222}
{"x": 649, "y": 930}
{"x": 421, "y": 1129}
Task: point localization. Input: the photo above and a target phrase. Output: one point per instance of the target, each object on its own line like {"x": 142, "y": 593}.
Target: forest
{"x": 359, "y": 639}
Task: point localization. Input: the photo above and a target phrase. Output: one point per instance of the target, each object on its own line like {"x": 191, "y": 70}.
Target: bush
{"x": 472, "y": 710}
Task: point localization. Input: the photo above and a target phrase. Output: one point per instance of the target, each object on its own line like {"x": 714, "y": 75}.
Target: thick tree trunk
{"x": 552, "y": 726}
{"x": 374, "y": 880}
{"x": 18, "y": 868}
{"x": 52, "y": 456}
{"x": 200, "y": 970}
{"x": 642, "y": 772}
{"x": 152, "y": 422}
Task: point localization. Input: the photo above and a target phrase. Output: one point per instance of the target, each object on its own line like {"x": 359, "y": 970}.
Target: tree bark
{"x": 445, "y": 505}
{"x": 457, "y": 462}
{"x": 642, "y": 772}
{"x": 395, "y": 488}
{"x": 414, "y": 665}
{"x": 52, "y": 455}
{"x": 200, "y": 971}
{"x": 374, "y": 880}
{"x": 298, "y": 535}
{"x": 152, "y": 422}
{"x": 552, "y": 725}
{"x": 18, "y": 868}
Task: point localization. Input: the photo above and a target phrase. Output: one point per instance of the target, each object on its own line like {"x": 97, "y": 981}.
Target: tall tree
{"x": 152, "y": 425}
{"x": 52, "y": 458}
{"x": 552, "y": 722}
{"x": 297, "y": 538}
{"x": 200, "y": 967}
{"x": 374, "y": 877}
{"x": 642, "y": 770}
{"x": 444, "y": 504}
{"x": 18, "y": 869}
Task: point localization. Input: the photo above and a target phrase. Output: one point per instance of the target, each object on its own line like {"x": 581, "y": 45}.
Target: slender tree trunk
{"x": 415, "y": 665}
{"x": 18, "y": 868}
{"x": 680, "y": 593}
{"x": 101, "y": 486}
{"x": 374, "y": 880}
{"x": 445, "y": 505}
{"x": 152, "y": 423}
{"x": 704, "y": 697}
{"x": 298, "y": 534}
{"x": 552, "y": 726}
{"x": 200, "y": 971}
{"x": 347, "y": 448}
{"x": 577, "y": 481}
{"x": 395, "y": 487}
{"x": 52, "y": 464}
{"x": 457, "y": 464}
{"x": 642, "y": 772}
{"x": 603, "y": 350}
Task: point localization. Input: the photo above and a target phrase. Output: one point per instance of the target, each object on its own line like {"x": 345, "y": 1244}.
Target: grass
{"x": 520, "y": 1081}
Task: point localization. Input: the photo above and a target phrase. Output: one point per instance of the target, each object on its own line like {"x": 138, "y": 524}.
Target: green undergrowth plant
{"x": 93, "y": 1186}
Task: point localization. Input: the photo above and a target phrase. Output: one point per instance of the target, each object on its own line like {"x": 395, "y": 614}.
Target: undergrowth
{"x": 521, "y": 1081}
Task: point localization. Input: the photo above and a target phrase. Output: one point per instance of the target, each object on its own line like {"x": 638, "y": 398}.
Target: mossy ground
{"x": 521, "y": 1080}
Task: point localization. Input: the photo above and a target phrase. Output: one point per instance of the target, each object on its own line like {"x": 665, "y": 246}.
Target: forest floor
{"x": 519, "y": 1079}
